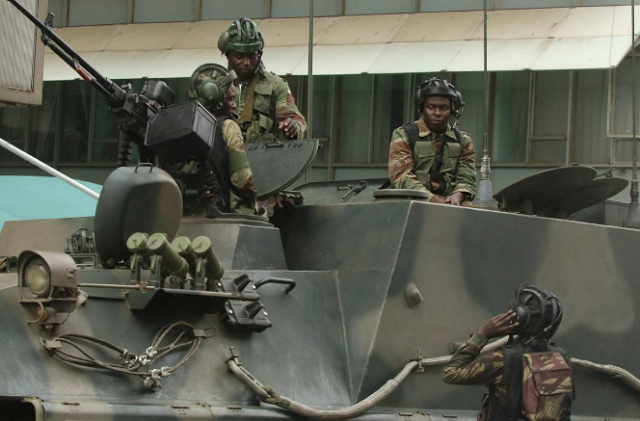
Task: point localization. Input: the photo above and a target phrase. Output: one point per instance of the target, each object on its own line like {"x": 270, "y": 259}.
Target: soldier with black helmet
{"x": 266, "y": 108}
{"x": 223, "y": 177}
{"x": 528, "y": 379}
{"x": 431, "y": 154}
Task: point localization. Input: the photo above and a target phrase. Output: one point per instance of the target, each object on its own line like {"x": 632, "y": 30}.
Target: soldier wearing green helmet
{"x": 223, "y": 177}
{"x": 266, "y": 108}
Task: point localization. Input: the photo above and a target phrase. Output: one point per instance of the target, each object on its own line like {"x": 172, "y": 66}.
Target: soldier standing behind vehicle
{"x": 223, "y": 177}
{"x": 430, "y": 154}
{"x": 529, "y": 378}
{"x": 266, "y": 106}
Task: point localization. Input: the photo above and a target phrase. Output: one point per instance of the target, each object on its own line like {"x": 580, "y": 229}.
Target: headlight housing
{"x": 47, "y": 275}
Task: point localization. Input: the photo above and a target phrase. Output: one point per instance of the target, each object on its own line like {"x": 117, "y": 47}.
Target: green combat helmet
{"x": 242, "y": 36}
{"x": 209, "y": 83}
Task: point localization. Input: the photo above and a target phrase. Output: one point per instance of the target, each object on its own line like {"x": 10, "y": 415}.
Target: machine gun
{"x": 132, "y": 110}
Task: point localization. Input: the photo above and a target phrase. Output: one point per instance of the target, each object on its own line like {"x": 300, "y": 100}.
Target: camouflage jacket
{"x": 270, "y": 101}
{"x": 411, "y": 169}
{"x": 468, "y": 367}
{"x": 243, "y": 194}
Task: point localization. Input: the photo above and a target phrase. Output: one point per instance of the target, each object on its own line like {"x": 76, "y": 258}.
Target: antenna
{"x": 485, "y": 199}
{"x": 633, "y": 215}
{"x": 310, "y": 85}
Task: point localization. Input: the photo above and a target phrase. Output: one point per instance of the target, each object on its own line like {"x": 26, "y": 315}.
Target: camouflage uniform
{"x": 272, "y": 102}
{"x": 458, "y": 164}
{"x": 468, "y": 367}
{"x": 243, "y": 195}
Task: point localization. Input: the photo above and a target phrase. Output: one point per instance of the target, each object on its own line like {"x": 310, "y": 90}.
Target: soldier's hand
{"x": 455, "y": 199}
{"x": 438, "y": 199}
{"x": 499, "y": 325}
{"x": 290, "y": 128}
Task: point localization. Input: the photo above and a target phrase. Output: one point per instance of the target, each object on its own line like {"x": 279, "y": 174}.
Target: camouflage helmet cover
{"x": 439, "y": 87}
{"x": 243, "y": 36}
{"x": 209, "y": 84}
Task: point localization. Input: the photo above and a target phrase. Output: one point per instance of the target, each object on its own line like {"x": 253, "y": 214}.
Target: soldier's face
{"x": 436, "y": 113}
{"x": 229, "y": 103}
{"x": 244, "y": 64}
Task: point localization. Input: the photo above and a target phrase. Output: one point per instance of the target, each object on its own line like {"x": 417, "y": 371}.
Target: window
{"x": 393, "y": 96}
{"x": 13, "y": 123}
{"x": 621, "y": 118}
{"x": 549, "y": 115}
{"x": 323, "y": 98}
{"x": 355, "y": 94}
{"x": 471, "y": 86}
{"x": 76, "y": 103}
{"x": 42, "y": 134}
{"x": 510, "y": 108}
{"x": 591, "y": 145}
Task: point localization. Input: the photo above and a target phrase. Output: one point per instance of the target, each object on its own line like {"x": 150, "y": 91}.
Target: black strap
{"x": 411, "y": 130}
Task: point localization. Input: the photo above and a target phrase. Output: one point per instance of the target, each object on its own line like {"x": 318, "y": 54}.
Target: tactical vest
{"x": 431, "y": 165}
{"x": 513, "y": 375}
{"x": 257, "y": 119}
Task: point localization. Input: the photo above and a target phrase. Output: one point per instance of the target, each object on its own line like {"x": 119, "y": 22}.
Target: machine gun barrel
{"x": 114, "y": 94}
{"x": 132, "y": 110}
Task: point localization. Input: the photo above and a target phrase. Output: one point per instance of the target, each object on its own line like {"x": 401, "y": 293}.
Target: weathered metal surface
{"x": 595, "y": 192}
{"x": 238, "y": 245}
{"x": 277, "y": 165}
{"x": 559, "y": 192}
{"x": 466, "y": 263}
{"x": 41, "y": 235}
{"x": 310, "y": 313}
{"x": 543, "y": 188}
{"x": 347, "y": 327}
{"x": 340, "y": 192}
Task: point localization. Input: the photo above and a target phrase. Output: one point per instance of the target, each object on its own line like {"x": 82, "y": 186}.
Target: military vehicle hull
{"x": 353, "y": 321}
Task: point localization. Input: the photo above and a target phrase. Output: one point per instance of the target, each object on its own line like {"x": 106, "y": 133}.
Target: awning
{"x": 536, "y": 39}
{"x": 36, "y": 197}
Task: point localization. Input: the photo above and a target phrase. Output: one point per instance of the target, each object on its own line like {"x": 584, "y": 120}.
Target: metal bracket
{"x": 351, "y": 190}
{"x": 291, "y": 284}
{"x": 51, "y": 346}
{"x": 235, "y": 356}
{"x": 421, "y": 368}
{"x": 206, "y": 333}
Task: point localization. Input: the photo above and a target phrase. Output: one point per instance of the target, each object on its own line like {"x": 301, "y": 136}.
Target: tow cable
{"x": 185, "y": 336}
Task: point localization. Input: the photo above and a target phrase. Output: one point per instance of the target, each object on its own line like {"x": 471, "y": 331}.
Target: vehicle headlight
{"x": 46, "y": 274}
{"x": 37, "y": 277}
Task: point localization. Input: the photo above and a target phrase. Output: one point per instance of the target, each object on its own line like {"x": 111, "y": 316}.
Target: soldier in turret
{"x": 432, "y": 155}
{"x": 223, "y": 177}
{"x": 528, "y": 379}
{"x": 266, "y": 108}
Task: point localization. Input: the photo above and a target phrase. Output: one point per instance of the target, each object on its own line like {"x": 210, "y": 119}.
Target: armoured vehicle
{"x": 344, "y": 306}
